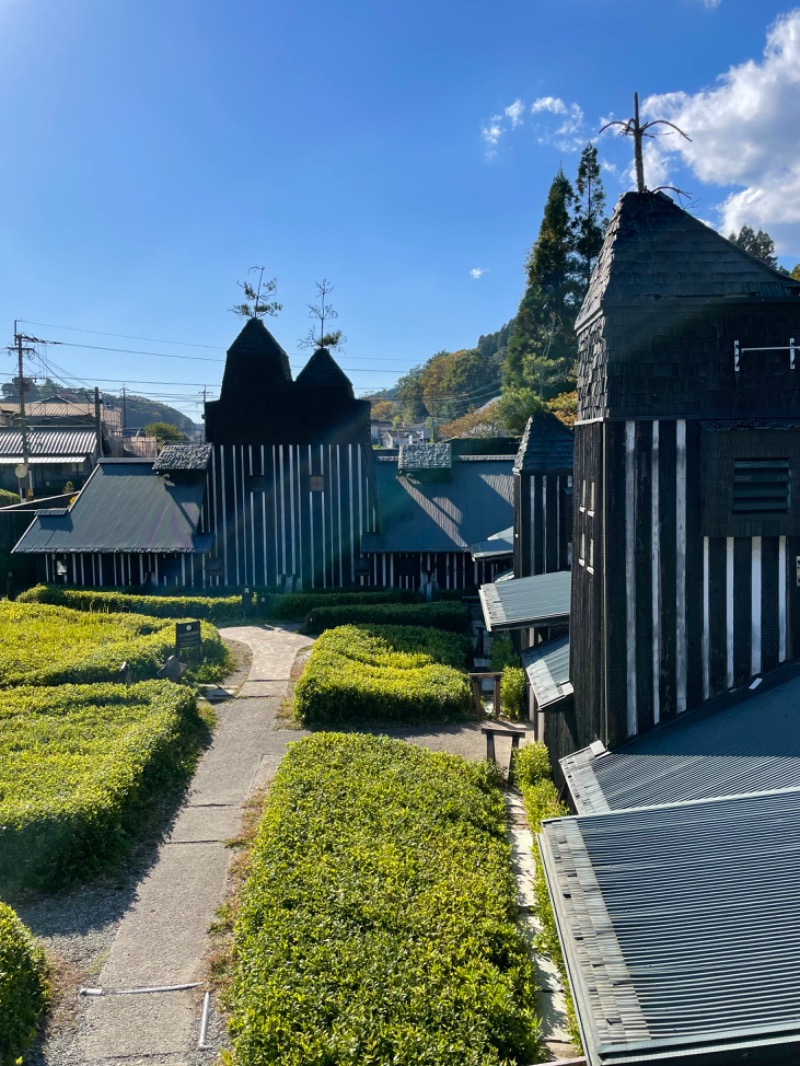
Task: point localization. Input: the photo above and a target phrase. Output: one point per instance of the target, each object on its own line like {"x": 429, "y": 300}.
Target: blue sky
{"x": 154, "y": 151}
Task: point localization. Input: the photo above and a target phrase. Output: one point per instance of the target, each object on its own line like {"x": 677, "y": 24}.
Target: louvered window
{"x": 761, "y": 486}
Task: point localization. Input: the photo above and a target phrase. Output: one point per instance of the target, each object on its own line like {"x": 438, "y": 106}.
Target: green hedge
{"x": 450, "y": 616}
{"x": 297, "y": 605}
{"x": 46, "y": 645}
{"x": 354, "y": 674}
{"x": 377, "y": 925}
{"x": 78, "y": 764}
{"x": 226, "y": 608}
{"x": 512, "y": 692}
{"x": 7, "y": 498}
{"x": 23, "y": 987}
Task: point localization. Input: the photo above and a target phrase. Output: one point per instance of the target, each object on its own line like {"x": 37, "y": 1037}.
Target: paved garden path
{"x": 161, "y": 943}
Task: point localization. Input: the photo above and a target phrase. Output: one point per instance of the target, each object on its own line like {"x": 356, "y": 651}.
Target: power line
{"x": 122, "y": 336}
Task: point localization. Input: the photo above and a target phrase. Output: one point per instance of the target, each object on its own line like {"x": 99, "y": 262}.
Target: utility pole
{"x": 21, "y": 349}
{"x": 124, "y": 410}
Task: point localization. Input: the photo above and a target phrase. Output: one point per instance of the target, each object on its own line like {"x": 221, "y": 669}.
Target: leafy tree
{"x": 516, "y": 406}
{"x": 257, "y": 303}
{"x": 565, "y": 407}
{"x": 796, "y": 273}
{"x": 409, "y": 394}
{"x": 164, "y": 432}
{"x": 485, "y": 422}
{"x": 383, "y": 411}
{"x": 759, "y": 244}
{"x": 541, "y": 348}
{"x": 589, "y": 219}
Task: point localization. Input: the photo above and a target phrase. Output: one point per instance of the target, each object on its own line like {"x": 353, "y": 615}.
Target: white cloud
{"x": 744, "y": 134}
{"x": 554, "y": 104}
{"x": 477, "y": 272}
{"x": 711, "y": 4}
{"x": 491, "y": 135}
{"x": 514, "y": 112}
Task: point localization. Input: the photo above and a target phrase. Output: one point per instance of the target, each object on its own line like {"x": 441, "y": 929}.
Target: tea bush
{"x": 216, "y": 608}
{"x": 358, "y": 673}
{"x": 512, "y": 692}
{"x": 77, "y": 765}
{"x": 377, "y": 925}
{"x": 450, "y": 616}
{"x": 46, "y": 645}
{"x": 23, "y": 987}
{"x": 297, "y": 605}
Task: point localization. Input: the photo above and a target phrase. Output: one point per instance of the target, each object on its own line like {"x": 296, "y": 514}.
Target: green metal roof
{"x": 547, "y": 667}
{"x": 679, "y": 929}
{"x": 526, "y": 601}
{"x": 744, "y": 743}
{"x": 493, "y": 547}
{"x": 124, "y": 507}
{"x": 441, "y": 516}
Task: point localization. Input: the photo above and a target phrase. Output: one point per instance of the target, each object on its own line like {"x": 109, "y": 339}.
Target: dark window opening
{"x": 761, "y": 486}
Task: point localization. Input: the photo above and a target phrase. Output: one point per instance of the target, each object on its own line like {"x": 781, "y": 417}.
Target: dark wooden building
{"x": 543, "y": 497}
{"x": 687, "y": 464}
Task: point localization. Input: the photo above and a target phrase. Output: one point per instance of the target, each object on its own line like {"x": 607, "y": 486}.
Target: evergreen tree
{"x": 759, "y": 244}
{"x": 541, "y": 347}
{"x": 590, "y": 221}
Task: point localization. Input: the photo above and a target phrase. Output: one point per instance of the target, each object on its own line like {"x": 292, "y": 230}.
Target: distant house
{"x": 56, "y": 456}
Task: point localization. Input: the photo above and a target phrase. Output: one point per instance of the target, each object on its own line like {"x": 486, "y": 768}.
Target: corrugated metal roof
{"x": 437, "y": 516}
{"x": 743, "y": 744}
{"x": 679, "y": 928}
{"x": 58, "y": 444}
{"x": 123, "y": 507}
{"x": 526, "y": 601}
{"x": 655, "y": 250}
{"x": 547, "y": 667}
{"x": 547, "y": 446}
{"x": 493, "y": 547}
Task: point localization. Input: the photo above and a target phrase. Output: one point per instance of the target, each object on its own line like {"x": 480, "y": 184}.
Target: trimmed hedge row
{"x": 531, "y": 773}
{"x": 45, "y": 645}
{"x": 377, "y": 925}
{"x": 77, "y": 765}
{"x": 450, "y": 616}
{"x": 356, "y": 674}
{"x": 216, "y": 605}
{"x": 225, "y": 608}
{"x": 23, "y": 987}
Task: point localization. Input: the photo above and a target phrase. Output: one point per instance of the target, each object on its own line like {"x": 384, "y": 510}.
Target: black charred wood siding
{"x": 290, "y": 511}
{"x": 674, "y": 359}
{"x": 542, "y": 523}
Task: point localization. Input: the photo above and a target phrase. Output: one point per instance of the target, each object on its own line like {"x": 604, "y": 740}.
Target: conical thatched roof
{"x": 547, "y": 446}
{"x": 324, "y": 373}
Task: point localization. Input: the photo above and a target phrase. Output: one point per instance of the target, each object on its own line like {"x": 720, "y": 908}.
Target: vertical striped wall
{"x": 543, "y": 523}
{"x": 702, "y": 614}
{"x": 290, "y": 511}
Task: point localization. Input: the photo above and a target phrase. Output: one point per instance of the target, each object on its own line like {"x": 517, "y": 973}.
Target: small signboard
{"x": 187, "y": 636}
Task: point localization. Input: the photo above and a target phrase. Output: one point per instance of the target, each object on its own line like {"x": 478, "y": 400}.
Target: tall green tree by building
{"x": 589, "y": 221}
{"x": 757, "y": 243}
{"x": 541, "y": 347}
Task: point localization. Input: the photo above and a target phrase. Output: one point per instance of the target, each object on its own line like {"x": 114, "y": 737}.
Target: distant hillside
{"x": 139, "y": 411}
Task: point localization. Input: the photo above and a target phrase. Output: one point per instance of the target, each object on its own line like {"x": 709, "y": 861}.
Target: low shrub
{"x": 512, "y": 692}
{"x": 450, "y": 616}
{"x": 47, "y": 645}
{"x": 377, "y": 925}
{"x": 23, "y": 987}
{"x": 503, "y": 653}
{"x": 78, "y": 763}
{"x": 532, "y": 775}
{"x": 354, "y": 674}
{"x": 7, "y": 498}
{"x": 297, "y": 605}
{"x": 452, "y": 649}
{"x": 219, "y": 609}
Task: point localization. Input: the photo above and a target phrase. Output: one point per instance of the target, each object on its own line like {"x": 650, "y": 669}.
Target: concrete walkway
{"x": 161, "y": 942}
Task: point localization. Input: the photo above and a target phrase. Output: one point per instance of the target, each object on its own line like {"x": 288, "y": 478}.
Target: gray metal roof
{"x": 526, "y": 601}
{"x": 60, "y": 445}
{"x": 547, "y": 667}
{"x": 493, "y": 547}
{"x": 123, "y": 507}
{"x": 437, "y": 516}
{"x": 738, "y": 745}
{"x": 679, "y": 929}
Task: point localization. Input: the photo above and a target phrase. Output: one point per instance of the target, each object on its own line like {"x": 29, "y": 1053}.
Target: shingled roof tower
{"x": 686, "y": 447}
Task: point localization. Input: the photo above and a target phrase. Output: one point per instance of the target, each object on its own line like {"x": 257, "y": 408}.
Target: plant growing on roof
{"x": 257, "y": 303}
{"x": 322, "y": 311}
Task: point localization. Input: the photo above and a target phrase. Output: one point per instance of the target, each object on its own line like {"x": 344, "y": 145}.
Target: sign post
{"x": 187, "y": 638}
